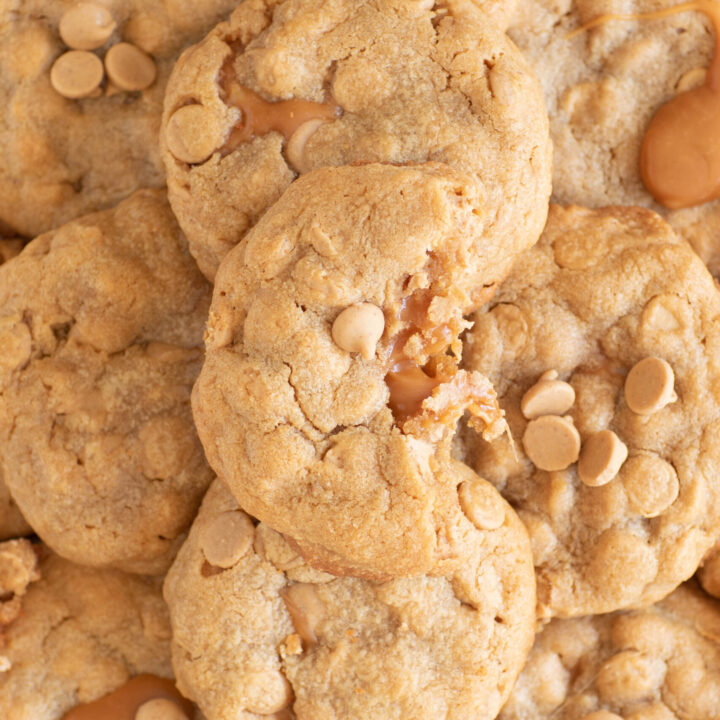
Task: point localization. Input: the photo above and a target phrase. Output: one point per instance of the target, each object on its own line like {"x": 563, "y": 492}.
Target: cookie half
{"x": 284, "y": 88}
{"x": 294, "y": 642}
{"x": 613, "y": 302}
{"x": 101, "y": 322}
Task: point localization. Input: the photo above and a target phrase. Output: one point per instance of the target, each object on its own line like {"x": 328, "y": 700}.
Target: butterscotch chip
{"x": 160, "y": 709}
{"x": 368, "y": 92}
{"x": 401, "y": 648}
{"x": 649, "y": 386}
{"x": 90, "y": 630}
{"x": 359, "y": 328}
{"x": 549, "y": 396}
{"x": 192, "y": 134}
{"x": 483, "y": 507}
{"x": 117, "y": 470}
{"x": 552, "y": 442}
{"x": 129, "y": 68}
{"x": 86, "y": 26}
{"x": 601, "y": 290}
{"x": 226, "y": 540}
{"x": 601, "y": 458}
{"x": 654, "y": 663}
{"x": 77, "y": 74}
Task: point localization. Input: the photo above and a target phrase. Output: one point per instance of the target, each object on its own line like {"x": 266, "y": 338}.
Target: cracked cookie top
{"x": 343, "y": 446}
{"x": 101, "y": 326}
{"x": 294, "y": 642}
{"x": 81, "y": 633}
{"x": 629, "y": 318}
{"x": 287, "y": 87}
{"x": 64, "y": 157}
{"x": 658, "y": 663}
{"x": 602, "y": 88}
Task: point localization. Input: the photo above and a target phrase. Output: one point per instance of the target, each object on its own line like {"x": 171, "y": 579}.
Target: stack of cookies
{"x": 313, "y": 406}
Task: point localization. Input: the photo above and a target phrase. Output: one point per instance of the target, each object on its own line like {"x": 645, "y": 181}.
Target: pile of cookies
{"x": 314, "y": 402}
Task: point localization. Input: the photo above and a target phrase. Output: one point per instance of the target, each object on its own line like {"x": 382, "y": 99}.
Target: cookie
{"x": 603, "y": 87}
{"x": 63, "y": 157}
{"x": 657, "y": 663}
{"x": 330, "y": 391}
{"x": 81, "y": 634}
{"x": 102, "y": 321}
{"x": 12, "y": 523}
{"x": 629, "y": 318}
{"x": 709, "y": 572}
{"x": 291, "y": 639}
{"x": 284, "y": 88}
{"x": 18, "y": 568}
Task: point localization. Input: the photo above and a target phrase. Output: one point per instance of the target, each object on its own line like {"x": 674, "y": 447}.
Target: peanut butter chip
{"x": 601, "y": 715}
{"x": 76, "y": 74}
{"x": 601, "y": 458}
{"x": 649, "y": 386}
{"x": 551, "y": 442}
{"x": 129, "y": 67}
{"x": 358, "y": 328}
{"x": 266, "y": 692}
{"x": 306, "y": 610}
{"x": 295, "y": 149}
{"x": 160, "y": 709}
{"x": 549, "y": 396}
{"x": 481, "y": 505}
{"x": 226, "y": 540}
{"x": 86, "y": 26}
{"x": 191, "y": 134}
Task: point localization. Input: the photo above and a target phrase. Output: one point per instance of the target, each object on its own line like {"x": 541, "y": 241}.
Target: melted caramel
{"x": 680, "y": 155}
{"x": 123, "y": 703}
{"x": 260, "y": 117}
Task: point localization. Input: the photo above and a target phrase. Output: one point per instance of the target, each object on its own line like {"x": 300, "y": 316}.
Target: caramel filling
{"x": 123, "y": 703}
{"x": 680, "y": 155}
{"x": 260, "y": 117}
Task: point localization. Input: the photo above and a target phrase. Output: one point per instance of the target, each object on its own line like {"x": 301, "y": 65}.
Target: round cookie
{"x": 602, "y": 88}
{"x": 348, "y": 452}
{"x": 602, "y": 291}
{"x": 102, "y": 323}
{"x": 284, "y": 88}
{"x": 658, "y": 663}
{"x": 63, "y": 157}
{"x": 80, "y": 633}
{"x": 295, "y": 642}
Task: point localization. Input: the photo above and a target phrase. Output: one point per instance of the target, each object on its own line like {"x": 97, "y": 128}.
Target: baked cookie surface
{"x": 657, "y": 663}
{"x": 60, "y": 157}
{"x": 602, "y": 291}
{"x": 346, "y": 447}
{"x": 295, "y": 642}
{"x": 101, "y": 322}
{"x": 602, "y": 88}
{"x": 80, "y": 633}
{"x": 284, "y": 88}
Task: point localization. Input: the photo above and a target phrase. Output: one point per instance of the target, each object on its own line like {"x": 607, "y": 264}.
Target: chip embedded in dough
{"x": 268, "y": 633}
{"x": 600, "y": 292}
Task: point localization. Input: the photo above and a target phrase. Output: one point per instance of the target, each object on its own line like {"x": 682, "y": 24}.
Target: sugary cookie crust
{"x": 102, "y": 320}
{"x": 601, "y": 291}
{"x": 601, "y": 90}
{"x": 658, "y": 663}
{"x": 64, "y": 158}
{"x": 414, "y": 82}
{"x": 81, "y": 633}
{"x": 303, "y": 431}
{"x": 426, "y": 647}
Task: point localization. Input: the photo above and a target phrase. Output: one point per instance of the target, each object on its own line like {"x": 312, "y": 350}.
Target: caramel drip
{"x": 123, "y": 703}
{"x": 680, "y": 154}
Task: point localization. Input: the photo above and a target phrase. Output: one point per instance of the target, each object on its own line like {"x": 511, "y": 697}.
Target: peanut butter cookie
{"x": 296, "y": 642}
{"x": 79, "y": 634}
{"x": 602, "y": 88}
{"x": 604, "y": 347}
{"x": 101, "y": 326}
{"x": 330, "y": 390}
{"x": 286, "y": 87}
{"x": 658, "y": 663}
{"x": 81, "y": 91}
